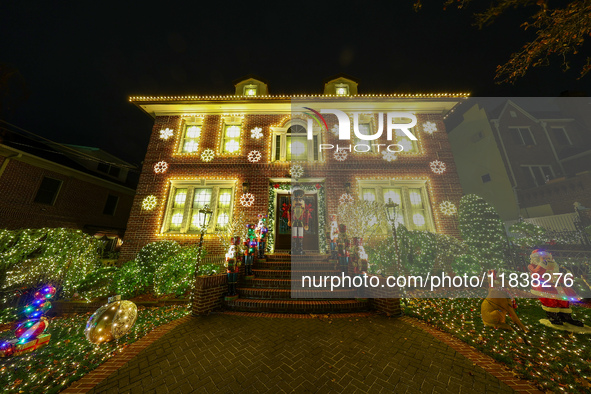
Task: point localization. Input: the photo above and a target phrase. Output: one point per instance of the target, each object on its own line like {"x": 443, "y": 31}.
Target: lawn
{"x": 554, "y": 360}
{"x": 69, "y": 356}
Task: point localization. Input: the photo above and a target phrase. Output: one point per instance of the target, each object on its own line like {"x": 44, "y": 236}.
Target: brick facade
{"x": 79, "y": 203}
{"x": 145, "y": 226}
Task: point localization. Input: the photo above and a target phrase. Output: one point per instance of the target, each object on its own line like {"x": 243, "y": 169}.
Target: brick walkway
{"x": 232, "y": 353}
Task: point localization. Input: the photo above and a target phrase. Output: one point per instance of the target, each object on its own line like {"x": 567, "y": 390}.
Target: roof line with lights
{"x": 315, "y": 96}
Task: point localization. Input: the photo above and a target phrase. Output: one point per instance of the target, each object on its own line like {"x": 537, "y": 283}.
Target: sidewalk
{"x": 234, "y": 353}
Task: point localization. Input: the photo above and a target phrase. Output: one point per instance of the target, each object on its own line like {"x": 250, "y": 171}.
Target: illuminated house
{"x": 236, "y": 153}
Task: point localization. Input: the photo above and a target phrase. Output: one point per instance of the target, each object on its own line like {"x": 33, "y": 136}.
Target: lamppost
{"x": 204, "y": 218}
{"x": 392, "y": 212}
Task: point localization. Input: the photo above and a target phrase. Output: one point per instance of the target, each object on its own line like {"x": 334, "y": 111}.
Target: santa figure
{"x": 551, "y": 289}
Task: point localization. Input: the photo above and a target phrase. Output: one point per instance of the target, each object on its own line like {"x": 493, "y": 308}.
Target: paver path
{"x": 229, "y": 353}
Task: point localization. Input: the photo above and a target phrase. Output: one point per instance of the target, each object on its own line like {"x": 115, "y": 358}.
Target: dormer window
{"x": 342, "y": 89}
{"x": 250, "y": 90}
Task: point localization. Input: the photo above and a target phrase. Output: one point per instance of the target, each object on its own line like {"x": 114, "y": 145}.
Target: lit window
{"x": 364, "y": 129}
{"x": 231, "y": 139}
{"x": 412, "y": 210}
{"x": 293, "y": 145}
{"x": 185, "y": 202}
{"x": 342, "y": 89}
{"x": 191, "y": 137}
{"x": 250, "y": 90}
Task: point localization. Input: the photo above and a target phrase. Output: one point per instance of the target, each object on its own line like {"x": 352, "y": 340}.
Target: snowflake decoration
{"x": 165, "y": 134}
{"x": 346, "y": 198}
{"x": 256, "y": 133}
{"x": 247, "y": 199}
{"x": 335, "y": 129}
{"x": 429, "y": 127}
{"x": 340, "y": 155}
{"x": 438, "y": 167}
{"x": 254, "y": 156}
{"x": 160, "y": 167}
{"x": 149, "y": 203}
{"x": 447, "y": 208}
{"x": 207, "y": 155}
{"x": 296, "y": 171}
{"x": 389, "y": 156}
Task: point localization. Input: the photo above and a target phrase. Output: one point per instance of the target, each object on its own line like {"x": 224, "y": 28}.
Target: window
{"x": 561, "y": 136}
{"x": 109, "y": 169}
{"x": 342, "y": 89}
{"x": 365, "y": 128}
{"x": 231, "y": 138}
{"x": 537, "y": 175}
{"x": 185, "y": 201}
{"x": 292, "y": 144}
{"x": 190, "y": 140}
{"x": 513, "y": 114}
{"x": 110, "y": 205}
{"x": 48, "y": 191}
{"x": 413, "y": 205}
{"x": 522, "y": 136}
{"x": 410, "y": 146}
{"x": 250, "y": 90}
{"x": 485, "y": 178}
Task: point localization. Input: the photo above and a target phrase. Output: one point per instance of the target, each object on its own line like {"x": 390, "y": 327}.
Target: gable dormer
{"x": 251, "y": 86}
{"x": 341, "y": 85}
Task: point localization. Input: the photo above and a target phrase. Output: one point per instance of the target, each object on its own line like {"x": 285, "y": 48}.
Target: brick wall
{"x": 209, "y": 293}
{"x": 145, "y": 226}
{"x": 381, "y": 298}
{"x": 78, "y": 203}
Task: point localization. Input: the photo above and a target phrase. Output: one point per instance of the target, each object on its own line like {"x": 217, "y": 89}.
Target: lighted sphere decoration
{"x": 31, "y": 329}
{"x": 111, "y": 321}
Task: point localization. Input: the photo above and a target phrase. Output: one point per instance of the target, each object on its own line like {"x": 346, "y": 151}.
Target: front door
{"x": 283, "y": 230}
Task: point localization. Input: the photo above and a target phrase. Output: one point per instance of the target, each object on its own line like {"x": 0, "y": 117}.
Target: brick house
{"x": 45, "y": 184}
{"x": 223, "y": 150}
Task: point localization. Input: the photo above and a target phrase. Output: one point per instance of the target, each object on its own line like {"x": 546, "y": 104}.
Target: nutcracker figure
{"x": 551, "y": 289}
{"x": 334, "y": 235}
{"x": 233, "y": 265}
{"x": 261, "y": 232}
{"x": 343, "y": 248}
{"x": 298, "y": 220}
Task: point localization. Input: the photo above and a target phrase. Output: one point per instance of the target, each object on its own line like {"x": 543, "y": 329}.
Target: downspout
{"x": 6, "y": 161}
{"x": 495, "y": 122}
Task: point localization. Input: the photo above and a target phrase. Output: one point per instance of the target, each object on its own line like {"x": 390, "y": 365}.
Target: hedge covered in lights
{"x": 60, "y": 256}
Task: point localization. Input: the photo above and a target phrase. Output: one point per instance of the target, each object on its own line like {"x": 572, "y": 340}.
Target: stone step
{"x": 286, "y": 274}
{"x": 286, "y": 294}
{"x": 268, "y": 283}
{"x": 291, "y": 306}
{"x": 286, "y": 265}
{"x": 288, "y": 257}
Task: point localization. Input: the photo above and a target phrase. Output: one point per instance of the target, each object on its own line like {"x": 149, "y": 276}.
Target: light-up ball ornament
{"x": 111, "y": 321}
{"x": 31, "y": 329}
{"x": 37, "y": 308}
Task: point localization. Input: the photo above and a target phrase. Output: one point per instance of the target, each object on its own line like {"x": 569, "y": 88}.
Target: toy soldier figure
{"x": 334, "y": 235}
{"x": 261, "y": 233}
{"x": 233, "y": 265}
{"x": 343, "y": 248}
{"x": 249, "y": 250}
{"x": 297, "y": 220}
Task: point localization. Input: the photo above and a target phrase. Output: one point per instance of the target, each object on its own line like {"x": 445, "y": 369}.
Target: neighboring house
{"x": 526, "y": 163}
{"x": 45, "y": 184}
{"x": 221, "y": 150}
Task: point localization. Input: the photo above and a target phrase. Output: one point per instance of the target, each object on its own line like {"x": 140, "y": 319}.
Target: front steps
{"x": 270, "y": 291}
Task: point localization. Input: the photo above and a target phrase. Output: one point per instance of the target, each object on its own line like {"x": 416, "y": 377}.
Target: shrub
{"x": 98, "y": 283}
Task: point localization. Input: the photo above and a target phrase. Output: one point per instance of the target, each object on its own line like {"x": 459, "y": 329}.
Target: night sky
{"x": 81, "y": 60}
